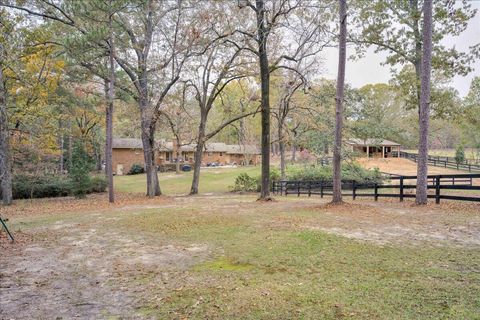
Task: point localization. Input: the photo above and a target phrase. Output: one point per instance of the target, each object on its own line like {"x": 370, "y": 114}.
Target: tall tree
{"x": 5, "y": 167}
{"x": 292, "y": 18}
{"x": 424, "y": 112}
{"x": 109, "y": 109}
{"x": 262, "y": 31}
{"x": 337, "y": 149}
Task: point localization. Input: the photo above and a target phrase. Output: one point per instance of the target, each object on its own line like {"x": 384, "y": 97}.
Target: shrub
{"x": 245, "y": 183}
{"x": 80, "y": 168}
{"x": 350, "y": 171}
{"x": 460, "y": 154}
{"x": 136, "y": 169}
{"x": 49, "y": 186}
{"x": 24, "y": 187}
{"x": 97, "y": 184}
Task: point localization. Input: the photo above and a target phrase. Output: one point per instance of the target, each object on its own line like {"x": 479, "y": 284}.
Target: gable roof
{"x": 371, "y": 142}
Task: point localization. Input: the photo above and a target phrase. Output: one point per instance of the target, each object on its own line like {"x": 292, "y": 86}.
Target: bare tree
{"x": 424, "y": 112}
{"x": 337, "y": 150}
{"x": 272, "y": 18}
{"x": 220, "y": 66}
{"x": 180, "y": 119}
{"x": 5, "y": 164}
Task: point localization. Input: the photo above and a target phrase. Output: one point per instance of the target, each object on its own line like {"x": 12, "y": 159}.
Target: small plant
{"x": 136, "y": 169}
{"x": 245, "y": 183}
{"x": 97, "y": 184}
{"x": 80, "y": 169}
{"x": 460, "y": 154}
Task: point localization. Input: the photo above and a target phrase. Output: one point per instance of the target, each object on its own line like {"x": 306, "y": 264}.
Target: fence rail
{"x": 376, "y": 190}
{"x": 445, "y": 162}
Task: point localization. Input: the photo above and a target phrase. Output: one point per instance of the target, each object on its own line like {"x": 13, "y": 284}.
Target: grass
{"x": 262, "y": 262}
{"x": 263, "y": 272}
{"x": 211, "y": 180}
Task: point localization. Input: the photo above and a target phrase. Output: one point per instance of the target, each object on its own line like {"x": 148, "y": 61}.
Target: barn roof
{"x": 371, "y": 142}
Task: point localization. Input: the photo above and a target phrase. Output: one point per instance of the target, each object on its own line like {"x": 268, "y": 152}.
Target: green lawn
{"x": 211, "y": 180}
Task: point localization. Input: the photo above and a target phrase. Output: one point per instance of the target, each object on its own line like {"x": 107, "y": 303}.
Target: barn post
{"x": 383, "y": 151}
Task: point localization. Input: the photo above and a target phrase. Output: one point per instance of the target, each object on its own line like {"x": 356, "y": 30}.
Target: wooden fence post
{"x": 309, "y": 188}
{"x": 437, "y": 190}
{"x": 298, "y": 188}
{"x": 354, "y": 189}
{"x": 376, "y": 191}
{"x": 401, "y": 189}
{"x": 321, "y": 189}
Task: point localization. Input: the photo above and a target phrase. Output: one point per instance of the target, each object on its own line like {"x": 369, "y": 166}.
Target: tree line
{"x": 225, "y": 67}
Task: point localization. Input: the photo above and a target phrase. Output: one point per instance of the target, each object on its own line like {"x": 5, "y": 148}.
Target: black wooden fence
{"x": 437, "y": 183}
{"x": 445, "y": 162}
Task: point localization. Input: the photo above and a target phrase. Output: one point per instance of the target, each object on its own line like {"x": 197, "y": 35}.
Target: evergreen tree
{"x": 80, "y": 169}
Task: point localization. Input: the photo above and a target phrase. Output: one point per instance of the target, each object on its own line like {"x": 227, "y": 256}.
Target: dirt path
{"x": 78, "y": 270}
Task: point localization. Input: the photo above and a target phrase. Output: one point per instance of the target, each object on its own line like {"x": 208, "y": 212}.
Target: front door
{"x": 119, "y": 169}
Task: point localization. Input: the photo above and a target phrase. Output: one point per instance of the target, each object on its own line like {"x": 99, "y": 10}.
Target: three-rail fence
{"x": 398, "y": 187}
{"x": 445, "y": 162}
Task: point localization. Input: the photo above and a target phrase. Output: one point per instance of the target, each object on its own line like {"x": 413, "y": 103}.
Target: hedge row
{"x": 26, "y": 187}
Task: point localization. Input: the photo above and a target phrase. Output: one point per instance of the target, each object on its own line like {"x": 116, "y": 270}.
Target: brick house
{"x": 129, "y": 151}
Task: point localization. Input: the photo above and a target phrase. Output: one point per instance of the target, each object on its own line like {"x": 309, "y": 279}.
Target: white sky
{"x": 369, "y": 69}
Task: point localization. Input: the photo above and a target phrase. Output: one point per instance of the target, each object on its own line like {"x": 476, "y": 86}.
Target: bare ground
{"x": 80, "y": 265}
{"x": 402, "y": 166}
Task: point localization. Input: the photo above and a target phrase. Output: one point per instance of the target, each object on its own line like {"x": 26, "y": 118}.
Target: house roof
{"x": 127, "y": 143}
{"x": 162, "y": 145}
{"x": 242, "y": 149}
{"x": 371, "y": 142}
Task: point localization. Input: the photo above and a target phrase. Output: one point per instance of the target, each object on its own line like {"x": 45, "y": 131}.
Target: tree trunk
{"x": 148, "y": 141}
{"x": 109, "y": 117}
{"x": 342, "y": 50}
{"x": 198, "y": 155}
{"x": 5, "y": 165}
{"x": 424, "y": 112}
{"x": 61, "y": 144}
{"x": 109, "y": 142}
{"x": 177, "y": 166}
{"x": 70, "y": 146}
{"x": 294, "y": 153}
{"x": 281, "y": 145}
{"x": 265, "y": 96}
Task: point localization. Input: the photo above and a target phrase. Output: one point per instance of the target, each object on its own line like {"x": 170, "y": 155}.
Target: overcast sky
{"x": 370, "y": 70}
